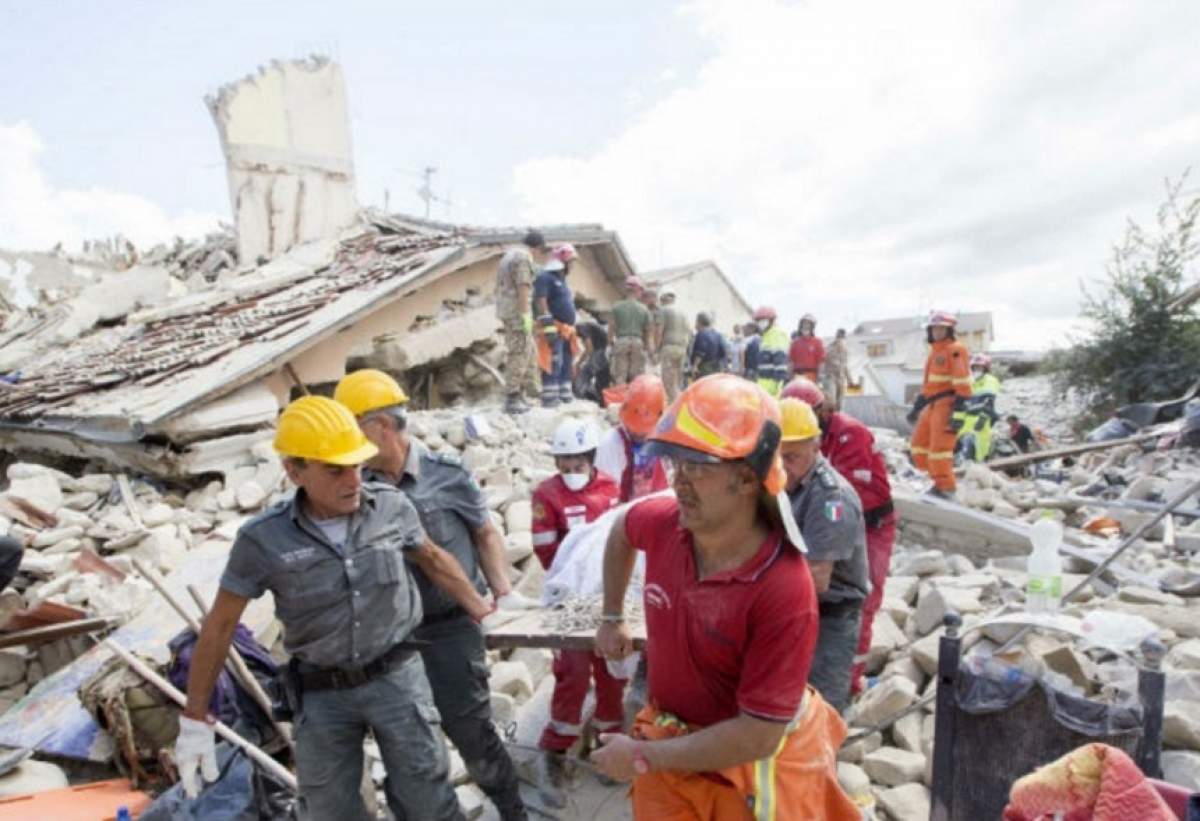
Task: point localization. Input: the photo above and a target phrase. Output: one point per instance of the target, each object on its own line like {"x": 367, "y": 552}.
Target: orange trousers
{"x": 798, "y": 782}
{"x": 933, "y": 443}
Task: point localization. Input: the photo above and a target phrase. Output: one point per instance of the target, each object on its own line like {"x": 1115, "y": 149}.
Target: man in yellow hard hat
{"x": 829, "y": 513}
{"x": 456, "y": 517}
{"x": 336, "y": 558}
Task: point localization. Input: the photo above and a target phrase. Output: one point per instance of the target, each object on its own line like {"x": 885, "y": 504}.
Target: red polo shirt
{"x": 738, "y": 641}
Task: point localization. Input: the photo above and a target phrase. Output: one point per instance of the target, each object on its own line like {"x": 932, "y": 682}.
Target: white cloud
{"x": 871, "y": 160}
{"x": 36, "y": 216}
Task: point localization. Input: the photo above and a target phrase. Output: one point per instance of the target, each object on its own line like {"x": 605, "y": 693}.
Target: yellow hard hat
{"x": 317, "y": 428}
{"x": 799, "y": 423}
{"x": 367, "y": 390}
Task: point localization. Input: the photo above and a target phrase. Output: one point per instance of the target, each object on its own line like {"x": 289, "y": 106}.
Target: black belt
{"x": 875, "y": 516}
{"x": 334, "y": 678}
{"x": 838, "y": 609}
{"x": 452, "y": 613}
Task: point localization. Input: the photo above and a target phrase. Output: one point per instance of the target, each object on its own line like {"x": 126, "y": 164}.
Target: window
{"x": 876, "y": 349}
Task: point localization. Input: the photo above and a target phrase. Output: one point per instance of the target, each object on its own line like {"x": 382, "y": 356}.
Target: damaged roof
{"x": 116, "y": 384}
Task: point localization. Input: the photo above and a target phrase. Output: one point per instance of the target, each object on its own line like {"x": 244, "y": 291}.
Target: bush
{"x": 1141, "y": 348}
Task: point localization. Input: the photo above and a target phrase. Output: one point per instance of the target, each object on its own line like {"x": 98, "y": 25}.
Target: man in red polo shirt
{"x": 731, "y": 622}
{"x": 849, "y": 446}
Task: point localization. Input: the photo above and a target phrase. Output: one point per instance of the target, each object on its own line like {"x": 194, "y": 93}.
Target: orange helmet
{"x": 805, "y": 390}
{"x": 724, "y": 418}
{"x": 643, "y": 405}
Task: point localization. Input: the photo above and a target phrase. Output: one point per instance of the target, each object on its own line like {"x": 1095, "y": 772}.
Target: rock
{"x": 157, "y": 514}
{"x": 935, "y": 602}
{"x": 1185, "y": 655}
{"x": 227, "y": 499}
{"x": 885, "y": 637}
{"x": 31, "y": 776}
{"x": 455, "y": 435}
{"x": 59, "y": 534}
{"x": 504, "y": 709}
{"x": 537, "y": 661}
{"x": 518, "y": 517}
{"x": 477, "y": 458}
{"x": 12, "y": 667}
{"x": 1144, "y": 595}
{"x": 902, "y": 587}
{"x": 855, "y": 783}
{"x": 518, "y": 546}
{"x": 1182, "y": 768}
{"x": 960, "y": 565}
{"x": 73, "y": 518}
{"x": 892, "y": 766}
{"x": 906, "y": 732}
{"x": 470, "y": 801}
{"x": 1066, "y": 661}
{"x": 925, "y": 563}
{"x": 904, "y": 666}
{"x": 910, "y": 802}
{"x": 1005, "y": 509}
{"x": 40, "y": 489}
{"x": 885, "y": 699}
{"x": 250, "y": 495}
{"x": 80, "y": 501}
{"x": 855, "y": 751}
{"x": 898, "y": 609}
{"x": 1181, "y": 724}
{"x": 511, "y": 677}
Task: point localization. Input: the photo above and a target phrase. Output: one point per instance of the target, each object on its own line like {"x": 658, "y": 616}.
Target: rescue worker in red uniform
{"x": 622, "y": 453}
{"x": 807, "y": 351}
{"x": 731, "y": 730}
{"x": 947, "y": 383}
{"x": 577, "y": 495}
{"x": 850, "y": 447}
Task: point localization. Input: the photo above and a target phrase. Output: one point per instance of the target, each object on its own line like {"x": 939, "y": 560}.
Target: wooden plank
{"x": 39, "y": 635}
{"x": 529, "y": 630}
{"x": 1070, "y": 450}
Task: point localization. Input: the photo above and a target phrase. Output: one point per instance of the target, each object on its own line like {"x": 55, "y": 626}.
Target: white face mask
{"x": 576, "y": 481}
{"x": 763, "y": 324}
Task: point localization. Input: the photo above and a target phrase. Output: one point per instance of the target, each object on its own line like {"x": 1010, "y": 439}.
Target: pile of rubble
{"x": 1041, "y": 406}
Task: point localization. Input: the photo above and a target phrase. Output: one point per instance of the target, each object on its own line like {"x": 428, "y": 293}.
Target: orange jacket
{"x": 798, "y": 782}
{"x": 545, "y": 355}
{"x": 947, "y": 368}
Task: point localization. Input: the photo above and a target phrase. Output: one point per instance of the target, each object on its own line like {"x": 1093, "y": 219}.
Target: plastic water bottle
{"x": 1044, "y": 588}
{"x": 123, "y": 814}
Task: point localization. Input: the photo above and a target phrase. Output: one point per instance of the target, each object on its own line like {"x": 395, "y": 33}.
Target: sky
{"x": 854, "y": 160}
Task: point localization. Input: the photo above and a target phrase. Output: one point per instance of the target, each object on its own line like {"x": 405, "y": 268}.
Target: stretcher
{"x": 527, "y": 628}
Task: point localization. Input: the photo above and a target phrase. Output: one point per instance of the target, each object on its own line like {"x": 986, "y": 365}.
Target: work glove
{"x": 195, "y": 754}
{"x": 527, "y": 323}
{"x": 960, "y": 403}
{"x": 513, "y": 600}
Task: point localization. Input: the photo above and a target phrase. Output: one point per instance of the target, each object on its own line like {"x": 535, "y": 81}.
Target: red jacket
{"x": 807, "y": 353}
{"x": 557, "y": 509}
{"x": 849, "y": 446}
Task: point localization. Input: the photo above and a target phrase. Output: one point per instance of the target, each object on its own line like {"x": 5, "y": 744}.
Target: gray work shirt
{"x": 338, "y": 609}
{"x": 829, "y": 514}
{"x": 452, "y": 508}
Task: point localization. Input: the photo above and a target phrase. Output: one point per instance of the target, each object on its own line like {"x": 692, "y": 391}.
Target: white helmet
{"x": 574, "y": 436}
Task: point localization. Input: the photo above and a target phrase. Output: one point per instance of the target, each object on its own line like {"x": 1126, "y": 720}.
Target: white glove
{"x": 512, "y": 600}
{"x": 195, "y": 754}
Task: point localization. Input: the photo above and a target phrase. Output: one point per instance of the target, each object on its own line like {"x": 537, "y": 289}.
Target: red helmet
{"x": 564, "y": 253}
{"x": 809, "y": 318}
{"x": 981, "y": 360}
{"x": 941, "y": 318}
{"x": 805, "y": 390}
{"x": 765, "y": 312}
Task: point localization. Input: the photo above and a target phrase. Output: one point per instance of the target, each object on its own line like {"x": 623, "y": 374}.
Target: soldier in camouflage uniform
{"x": 630, "y": 334}
{"x": 673, "y": 345}
{"x": 514, "y": 287}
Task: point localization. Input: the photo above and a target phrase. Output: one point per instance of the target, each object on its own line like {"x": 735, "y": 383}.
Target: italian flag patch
{"x": 834, "y": 511}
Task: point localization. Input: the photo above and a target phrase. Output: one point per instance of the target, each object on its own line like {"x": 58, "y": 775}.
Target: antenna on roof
{"x": 425, "y": 192}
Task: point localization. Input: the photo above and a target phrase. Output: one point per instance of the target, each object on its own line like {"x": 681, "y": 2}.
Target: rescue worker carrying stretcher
{"x": 974, "y": 422}
{"x": 731, "y": 730}
{"x": 335, "y": 556}
{"x": 577, "y": 495}
{"x": 946, "y": 386}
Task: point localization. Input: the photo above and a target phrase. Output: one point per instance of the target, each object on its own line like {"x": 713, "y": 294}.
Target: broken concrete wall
{"x": 286, "y": 137}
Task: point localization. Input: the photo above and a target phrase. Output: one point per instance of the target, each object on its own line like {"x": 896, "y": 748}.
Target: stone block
{"x": 1144, "y": 595}
{"x": 31, "y": 776}
{"x": 518, "y": 546}
{"x": 13, "y": 665}
{"x": 924, "y": 563}
{"x": 855, "y": 783}
{"x": 854, "y": 752}
{"x": 882, "y": 701}
{"x": 886, "y": 636}
{"x": 1185, "y": 655}
{"x": 48, "y": 538}
{"x": 1181, "y": 724}
{"x": 892, "y": 766}
{"x": 504, "y": 709}
{"x": 909, "y": 802}
{"x": 936, "y": 601}
{"x": 511, "y": 677}
{"x": 902, "y": 587}
{"x": 906, "y": 733}
{"x": 250, "y": 495}
{"x": 1182, "y": 768}
{"x": 537, "y": 660}
{"x": 518, "y": 517}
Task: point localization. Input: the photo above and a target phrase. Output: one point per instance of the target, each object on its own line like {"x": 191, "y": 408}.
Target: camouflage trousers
{"x": 835, "y": 387}
{"x": 671, "y": 359}
{"x": 520, "y": 367}
{"x": 627, "y": 361}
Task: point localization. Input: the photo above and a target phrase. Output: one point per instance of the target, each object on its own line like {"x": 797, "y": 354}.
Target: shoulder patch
{"x": 539, "y": 510}
{"x": 446, "y": 458}
{"x": 828, "y": 480}
{"x": 835, "y": 510}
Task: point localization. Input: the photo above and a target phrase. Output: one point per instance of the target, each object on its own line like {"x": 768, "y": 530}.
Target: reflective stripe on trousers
{"x": 764, "y": 770}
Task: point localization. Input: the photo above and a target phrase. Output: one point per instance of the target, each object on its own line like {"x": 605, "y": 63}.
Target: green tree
{"x": 1139, "y": 348}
